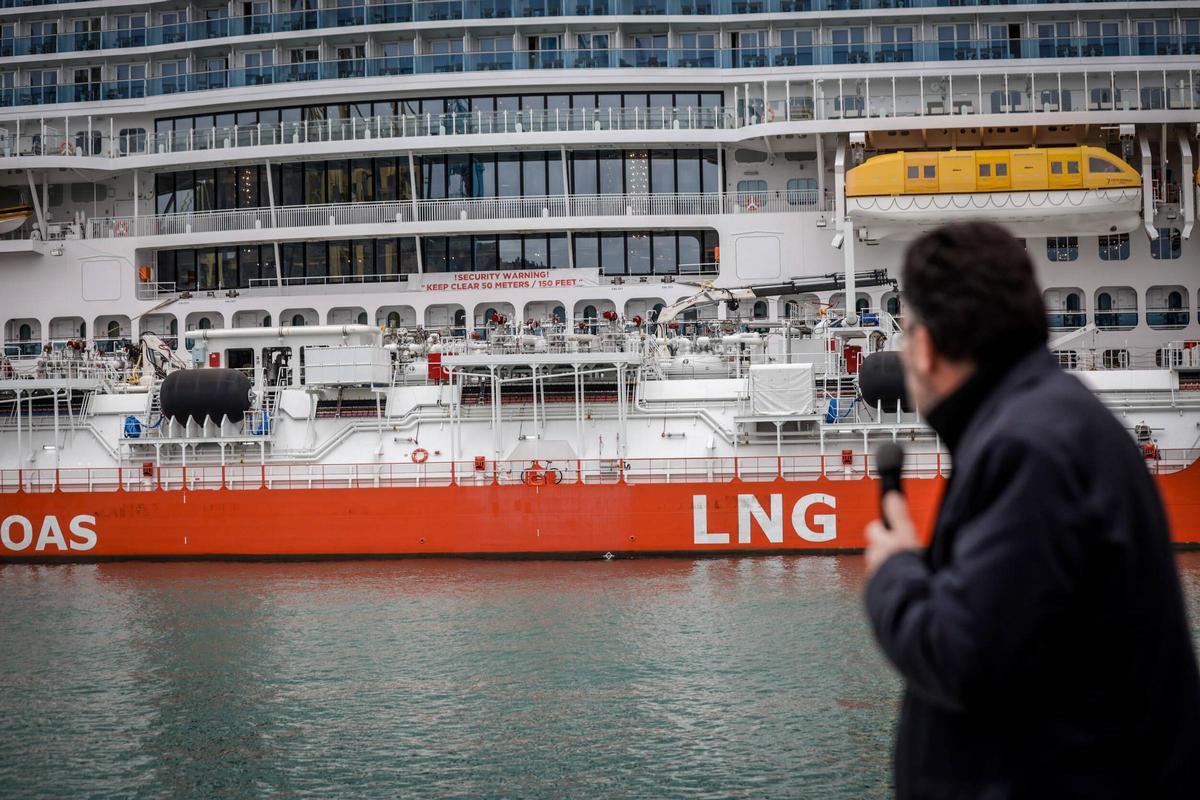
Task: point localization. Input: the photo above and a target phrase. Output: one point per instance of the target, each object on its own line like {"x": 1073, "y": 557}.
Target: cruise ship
{"x": 592, "y": 278}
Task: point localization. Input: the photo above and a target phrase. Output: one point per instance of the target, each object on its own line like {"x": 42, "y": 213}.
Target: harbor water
{"x": 750, "y": 677}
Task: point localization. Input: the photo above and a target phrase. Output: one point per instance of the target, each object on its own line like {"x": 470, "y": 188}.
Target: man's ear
{"x": 921, "y": 351}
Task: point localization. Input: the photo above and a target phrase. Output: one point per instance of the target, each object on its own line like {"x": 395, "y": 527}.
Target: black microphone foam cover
{"x": 889, "y": 460}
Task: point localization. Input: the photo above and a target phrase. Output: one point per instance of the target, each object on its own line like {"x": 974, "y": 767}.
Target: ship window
{"x": 1104, "y": 302}
{"x": 930, "y": 171}
{"x": 204, "y": 323}
{"x": 1072, "y": 167}
{"x": 1056, "y": 167}
{"x": 297, "y": 320}
{"x": 1114, "y": 247}
{"x": 1116, "y": 359}
{"x": 1067, "y": 359}
{"x": 25, "y": 333}
{"x": 1096, "y": 164}
{"x": 1001, "y": 170}
{"x": 1062, "y": 248}
{"x": 393, "y": 319}
{"x": 1168, "y": 245}
{"x": 802, "y": 191}
{"x": 913, "y": 173}
{"x": 985, "y": 170}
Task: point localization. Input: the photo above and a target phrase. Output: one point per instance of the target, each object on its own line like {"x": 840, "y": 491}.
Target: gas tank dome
{"x": 881, "y": 381}
{"x": 201, "y": 393}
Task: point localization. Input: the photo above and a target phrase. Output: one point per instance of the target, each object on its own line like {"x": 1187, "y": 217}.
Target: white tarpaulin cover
{"x": 778, "y": 390}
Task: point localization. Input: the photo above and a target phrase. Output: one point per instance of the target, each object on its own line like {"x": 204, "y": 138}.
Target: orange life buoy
{"x": 121, "y": 228}
{"x": 420, "y": 455}
{"x": 751, "y": 203}
{"x": 770, "y": 114}
{"x": 66, "y": 149}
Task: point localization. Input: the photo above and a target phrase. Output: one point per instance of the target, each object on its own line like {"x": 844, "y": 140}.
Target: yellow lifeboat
{"x": 1033, "y": 191}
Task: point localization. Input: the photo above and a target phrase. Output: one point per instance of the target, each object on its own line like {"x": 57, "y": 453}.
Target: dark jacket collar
{"x": 951, "y": 417}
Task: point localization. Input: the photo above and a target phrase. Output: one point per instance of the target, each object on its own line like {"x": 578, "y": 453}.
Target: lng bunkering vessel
{"x": 526, "y": 277}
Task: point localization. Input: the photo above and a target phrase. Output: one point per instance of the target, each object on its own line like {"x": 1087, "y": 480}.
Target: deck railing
{"x": 847, "y": 465}
{"x": 394, "y": 13}
{"x": 1003, "y": 86}
{"x": 454, "y": 210}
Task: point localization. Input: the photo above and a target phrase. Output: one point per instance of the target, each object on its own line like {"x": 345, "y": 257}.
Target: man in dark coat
{"x": 1042, "y": 636}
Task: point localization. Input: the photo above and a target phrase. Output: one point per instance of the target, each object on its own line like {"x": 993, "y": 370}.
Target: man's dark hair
{"x": 971, "y": 284}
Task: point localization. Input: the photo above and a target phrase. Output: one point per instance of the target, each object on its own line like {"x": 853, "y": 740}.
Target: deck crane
{"x": 709, "y": 295}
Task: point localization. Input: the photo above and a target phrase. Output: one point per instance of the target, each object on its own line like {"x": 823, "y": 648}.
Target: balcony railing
{"x": 454, "y": 210}
{"x": 1167, "y": 317}
{"x": 643, "y": 58}
{"x": 450, "y": 10}
{"x": 813, "y": 99}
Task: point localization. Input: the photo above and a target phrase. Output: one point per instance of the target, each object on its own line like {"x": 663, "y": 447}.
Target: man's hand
{"x": 883, "y": 543}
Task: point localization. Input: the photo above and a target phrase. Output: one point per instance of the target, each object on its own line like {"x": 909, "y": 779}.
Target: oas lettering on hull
{"x": 770, "y": 520}
{"x": 17, "y": 533}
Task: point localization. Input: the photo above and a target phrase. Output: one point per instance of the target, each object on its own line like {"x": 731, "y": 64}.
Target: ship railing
{"x": 846, "y": 465}
{"x": 961, "y": 90}
{"x": 394, "y": 13}
{"x": 450, "y": 210}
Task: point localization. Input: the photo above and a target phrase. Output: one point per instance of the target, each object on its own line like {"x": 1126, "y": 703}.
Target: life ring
{"x": 66, "y": 149}
{"x": 420, "y": 455}
{"x": 121, "y": 228}
{"x": 751, "y": 203}
{"x": 770, "y": 114}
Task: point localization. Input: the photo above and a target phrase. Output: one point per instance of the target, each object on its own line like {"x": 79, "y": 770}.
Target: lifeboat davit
{"x": 1059, "y": 191}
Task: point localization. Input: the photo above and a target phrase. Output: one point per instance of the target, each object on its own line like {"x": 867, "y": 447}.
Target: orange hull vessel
{"x": 490, "y": 518}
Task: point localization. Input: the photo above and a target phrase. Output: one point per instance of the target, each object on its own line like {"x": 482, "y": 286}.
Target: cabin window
{"x": 114, "y": 329}
{"x": 297, "y": 320}
{"x": 985, "y": 170}
{"x": 930, "y": 171}
{"x": 802, "y": 191}
{"x": 1096, "y": 164}
{"x": 1168, "y": 245}
{"x": 1114, "y": 247}
{"x": 25, "y": 333}
{"x": 393, "y": 319}
{"x": 760, "y": 309}
{"x": 204, "y": 324}
{"x": 1116, "y": 359}
{"x": 1001, "y": 170}
{"x": 1056, "y": 167}
{"x": 1062, "y": 248}
{"x": 1067, "y": 359}
{"x": 914, "y": 173}
{"x": 1072, "y": 167}
{"x": 1168, "y": 357}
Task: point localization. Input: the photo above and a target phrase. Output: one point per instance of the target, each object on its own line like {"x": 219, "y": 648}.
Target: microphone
{"x": 889, "y": 460}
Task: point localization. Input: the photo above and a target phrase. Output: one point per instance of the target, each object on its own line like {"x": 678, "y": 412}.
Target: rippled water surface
{"x": 655, "y": 678}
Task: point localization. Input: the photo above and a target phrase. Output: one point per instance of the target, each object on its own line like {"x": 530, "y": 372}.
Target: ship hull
{"x": 566, "y": 520}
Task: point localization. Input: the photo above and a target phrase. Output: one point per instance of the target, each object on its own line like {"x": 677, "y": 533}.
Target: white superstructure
{"x": 457, "y": 167}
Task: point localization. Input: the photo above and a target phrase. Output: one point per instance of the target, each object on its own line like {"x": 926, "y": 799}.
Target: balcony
{"x": 1167, "y": 318}
{"x": 1066, "y": 320}
{"x": 454, "y": 210}
{"x": 450, "y": 10}
{"x": 1117, "y": 319}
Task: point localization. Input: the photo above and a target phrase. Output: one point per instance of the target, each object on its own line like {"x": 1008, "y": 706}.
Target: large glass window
{"x": 314, "y": 183}
{"x": 1062, "y": 248}
{"x": 1168, "y": 245}
{"x": 486, "y": 255}
{"x": 338, "y": 181}
{"x": 1114, "y": 247}
{"x": 612, "y": 253}
{"x": 637, "y": 253}
{"x": 362, "y": 184}
{"x": 316, "y": 258}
